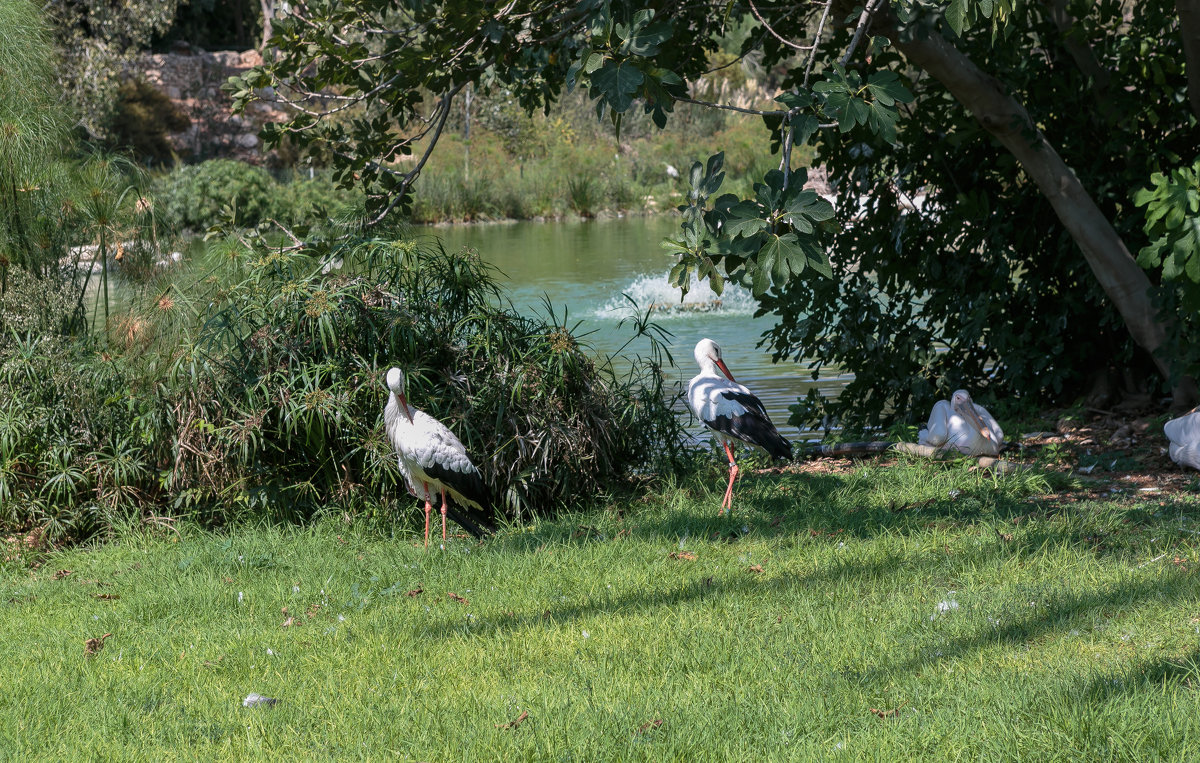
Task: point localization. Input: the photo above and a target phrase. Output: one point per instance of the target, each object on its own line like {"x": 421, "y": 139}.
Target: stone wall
{"x": 192, "y": 79}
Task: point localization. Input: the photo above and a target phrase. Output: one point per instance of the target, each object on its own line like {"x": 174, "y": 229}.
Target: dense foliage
{"x": 1172, "y": 226}
{"x": 33, "y": 133}
{"x": 950, "y": 270}
{"x": 256, "y": 390}
{"x": 96, "y": 41}
{"x": 197, "y": 196}
{"x": 382, "y": 58}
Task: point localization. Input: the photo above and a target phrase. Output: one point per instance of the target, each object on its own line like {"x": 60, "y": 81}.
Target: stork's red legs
{"x": 727, "y": 502}
{"x": 443, "y": 515}
{"x": 428, "y": 508}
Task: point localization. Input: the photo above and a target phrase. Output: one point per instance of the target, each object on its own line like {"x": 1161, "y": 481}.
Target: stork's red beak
{"x": 404, "y": 406}
{"x": 724, "y": 370}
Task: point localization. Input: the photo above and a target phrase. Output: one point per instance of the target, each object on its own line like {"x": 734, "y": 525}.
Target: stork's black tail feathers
{"x": 475, "y": 521}
{"x": 470, "y": 485}
{"x": 777, "y": 447}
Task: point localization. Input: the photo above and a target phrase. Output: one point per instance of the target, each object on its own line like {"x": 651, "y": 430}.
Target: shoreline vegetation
{"x": 568, "y": 176}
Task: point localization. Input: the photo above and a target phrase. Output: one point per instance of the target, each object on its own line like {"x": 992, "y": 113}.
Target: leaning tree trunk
{"x": 1125, "y": 283}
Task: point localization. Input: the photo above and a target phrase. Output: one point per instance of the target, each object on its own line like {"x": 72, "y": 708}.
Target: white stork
{"x": 431, "y": 458}
{"x": 964, "y": 426}
{"x": 731, "y": 411}
{"x": 1184, "y": 434}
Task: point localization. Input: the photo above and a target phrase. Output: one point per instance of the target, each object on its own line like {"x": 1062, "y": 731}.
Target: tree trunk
{"x": 1189, "y": 29}
{"x": 268, "y": 14}
{"x": 1125, "y": 283}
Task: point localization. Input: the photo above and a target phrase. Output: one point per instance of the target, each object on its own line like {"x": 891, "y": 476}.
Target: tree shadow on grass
{"x": 843, "y": 507}
{"x": 1145, "y": 675}
{"x": 1062, "y": 610}
{"x": 821, "y": 509}
{"x": 668, "y": 598}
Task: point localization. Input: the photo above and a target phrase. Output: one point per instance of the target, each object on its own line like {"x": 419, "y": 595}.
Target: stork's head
{"x": 395, "y": 383}
{"x": 395, "y": 380}
{"x": 708, "y": 354}
{"x": 962, "y": 404}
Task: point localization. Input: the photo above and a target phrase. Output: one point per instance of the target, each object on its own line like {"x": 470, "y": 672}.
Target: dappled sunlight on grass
{"x": 870, "y": 609}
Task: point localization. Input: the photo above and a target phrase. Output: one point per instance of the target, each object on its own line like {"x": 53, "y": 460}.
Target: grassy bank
{"x": 562, "y": 170}
{"x": 906, "y": 610}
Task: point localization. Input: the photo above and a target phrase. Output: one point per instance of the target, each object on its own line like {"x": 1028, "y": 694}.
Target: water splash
{"x": 652, "y": 289}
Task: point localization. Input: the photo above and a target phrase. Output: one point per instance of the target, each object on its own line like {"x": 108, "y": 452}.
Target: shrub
{"x": 315, "y": 201}
{"x": 77, "y": 449}
{"x": 193, "y": 196}
{"x": 294, "y": 397}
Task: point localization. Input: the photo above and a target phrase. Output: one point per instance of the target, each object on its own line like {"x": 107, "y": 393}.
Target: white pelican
{"x": 964, "y": 426}
{"x": 431, "y": 458}
{"x": 731, "y": 411}
{"x": 1184, "y": 434}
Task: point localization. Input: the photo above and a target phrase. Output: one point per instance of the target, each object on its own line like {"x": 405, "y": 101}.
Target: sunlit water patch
{"x": 651, "y": 291}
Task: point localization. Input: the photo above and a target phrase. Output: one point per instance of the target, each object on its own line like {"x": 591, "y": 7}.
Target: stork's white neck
{"x": 708, "y": 366}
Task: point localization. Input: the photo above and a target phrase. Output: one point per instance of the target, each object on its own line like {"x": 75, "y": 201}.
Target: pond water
{"x": 587, "y": 266}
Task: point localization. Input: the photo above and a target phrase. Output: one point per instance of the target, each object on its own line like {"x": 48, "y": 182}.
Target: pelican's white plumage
{"x": 731, "y": 411}
{"x": 960, "y": 424}
{"x": 434, "y": 462}
{"x": 1184, "y": 434}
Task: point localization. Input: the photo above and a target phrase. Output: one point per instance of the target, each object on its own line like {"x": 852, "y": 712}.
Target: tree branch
{"x": 411, "y": 176}
{"x": 1085, "y": 60}
{"x": 1189, "y": 30}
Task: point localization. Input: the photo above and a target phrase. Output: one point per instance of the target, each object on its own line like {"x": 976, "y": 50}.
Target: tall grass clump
{"x": 33, "y": 134}
{"x": 281, "y": 388}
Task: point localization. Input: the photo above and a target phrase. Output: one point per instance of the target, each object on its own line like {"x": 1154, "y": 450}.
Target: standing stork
{"x": 962, "y": 425}
{"x": 731, "y": 411}
{"x": 431, "y": 458}
{"x": 1184, "y": 436}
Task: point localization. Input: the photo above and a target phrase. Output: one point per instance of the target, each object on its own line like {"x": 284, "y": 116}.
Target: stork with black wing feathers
{"x": 732, "y": 412}
{"x": 434, "y": 462}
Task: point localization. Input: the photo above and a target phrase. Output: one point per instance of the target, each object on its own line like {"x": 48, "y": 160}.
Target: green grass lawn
{"x": 879, "y": 612}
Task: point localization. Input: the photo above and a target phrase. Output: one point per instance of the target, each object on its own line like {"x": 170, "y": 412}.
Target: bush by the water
{"x": 267, "y": 403}
{"x": 195, "y": 196}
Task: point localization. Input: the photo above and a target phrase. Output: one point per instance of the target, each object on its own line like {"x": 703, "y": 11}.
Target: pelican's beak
{"x": 724, "y": 369}
{"x": 977, "y": 422}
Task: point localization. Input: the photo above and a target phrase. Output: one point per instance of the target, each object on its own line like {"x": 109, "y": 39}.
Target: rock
{"x": 247, "y": 140}
{"x": 1066, "y": 424}
{"x": 254, "y": 700}
{"x": 1123, "y": 437}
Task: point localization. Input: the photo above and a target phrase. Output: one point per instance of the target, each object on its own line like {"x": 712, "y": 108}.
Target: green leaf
{"x": 805, "y": 126}
{"x": 760, "y": 279}
{"x": 745, "y": 219}
{"x": 956, "y": 15}
{"x": 679, "y": 277}
{"x": 794, "y": 100}
{"x": 617, "y": 83}
{"x": 887, "y": 88}
{"x": 646, "y": 41}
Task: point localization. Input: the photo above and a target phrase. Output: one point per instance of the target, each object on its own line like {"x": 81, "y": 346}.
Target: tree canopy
{"x": 1024, "y": 129}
